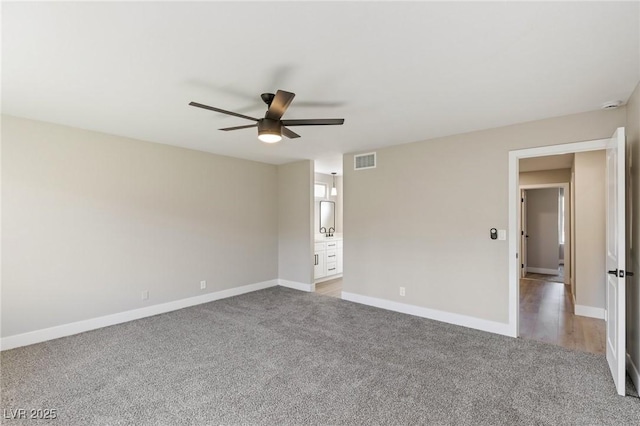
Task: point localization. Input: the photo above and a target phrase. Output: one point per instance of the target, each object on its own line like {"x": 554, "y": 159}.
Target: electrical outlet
{"x": 145, "y": 294}
{"x": 401, "y": 291}
{"x": 203, "y": 285}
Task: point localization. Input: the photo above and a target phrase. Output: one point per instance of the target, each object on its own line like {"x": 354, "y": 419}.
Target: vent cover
{"x": 364, "y": 161}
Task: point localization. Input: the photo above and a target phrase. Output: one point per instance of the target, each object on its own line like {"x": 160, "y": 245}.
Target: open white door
{"x": 616, "y": 257}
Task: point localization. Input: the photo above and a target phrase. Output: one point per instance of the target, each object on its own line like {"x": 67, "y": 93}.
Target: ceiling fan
{"x": 272, "y": 127}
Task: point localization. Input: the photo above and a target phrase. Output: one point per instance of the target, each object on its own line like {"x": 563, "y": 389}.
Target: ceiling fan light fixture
{"x": 269, "y": 131}
{"x": 272, "y": 127}
{"x": 269, "y": 137}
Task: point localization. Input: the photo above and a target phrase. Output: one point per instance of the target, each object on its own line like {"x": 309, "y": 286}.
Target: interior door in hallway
{"x": 616, "y": 257}
{"x": 523, "y": 233}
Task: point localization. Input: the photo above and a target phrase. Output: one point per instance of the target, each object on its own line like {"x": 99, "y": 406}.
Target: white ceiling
{"x": 397, "y": 72}
{"x": 549, "y": 162}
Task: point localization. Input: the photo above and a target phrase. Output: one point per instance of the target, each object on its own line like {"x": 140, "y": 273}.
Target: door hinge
{"x": 522, "y": 200}
{"x": 522, "y": 266}
{"x": 521, "y": 232}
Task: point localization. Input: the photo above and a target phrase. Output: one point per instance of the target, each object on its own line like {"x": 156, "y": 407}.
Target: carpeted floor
{"x": 281, "y": 356}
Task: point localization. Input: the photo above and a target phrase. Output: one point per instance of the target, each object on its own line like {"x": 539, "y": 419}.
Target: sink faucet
{"x": 331, "y": 231}
{"x": 323, "y": 230}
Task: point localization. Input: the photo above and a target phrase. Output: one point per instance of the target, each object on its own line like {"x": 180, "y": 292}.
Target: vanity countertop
{"x": 320, "y": 238}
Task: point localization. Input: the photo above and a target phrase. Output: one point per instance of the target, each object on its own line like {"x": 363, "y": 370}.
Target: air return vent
{"x": 364, "y": 161}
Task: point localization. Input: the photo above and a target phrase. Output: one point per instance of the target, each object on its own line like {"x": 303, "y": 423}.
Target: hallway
{"x": 546, "y": 315}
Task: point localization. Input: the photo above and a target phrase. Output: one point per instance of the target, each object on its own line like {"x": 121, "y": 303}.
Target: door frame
{"x": 513, "y": 326}
{"x": 565, "y": 187}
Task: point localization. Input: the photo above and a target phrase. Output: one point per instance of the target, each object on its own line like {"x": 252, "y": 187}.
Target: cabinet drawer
{"x": 319, "y": 247}
{"x": 332, "y": 245}
{"x": 332, "y": 255}
{"x": 332, "y": 268}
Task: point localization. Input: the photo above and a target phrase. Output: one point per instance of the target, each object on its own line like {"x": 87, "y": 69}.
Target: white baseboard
{"x": 63, "y": 330}
{"x": 542, "y": 270}
{"x": 448, "y": 317}
{"x": 632, "y": 369}
{"x": 590, "y": 311}
{"x": 297, "y": 285}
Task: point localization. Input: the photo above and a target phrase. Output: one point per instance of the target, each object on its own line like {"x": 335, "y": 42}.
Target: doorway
{"x": 328, "y": 233}
{"x": 545, "y": 245}
{"x": 612, "y": 271}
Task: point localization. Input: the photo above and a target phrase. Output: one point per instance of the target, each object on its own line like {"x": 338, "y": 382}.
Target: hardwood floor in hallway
{"x": 547, "y": 315}
{"x": 331, "y": 288}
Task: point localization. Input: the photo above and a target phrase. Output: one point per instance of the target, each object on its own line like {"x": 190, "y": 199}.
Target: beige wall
{"x": 328, "y": 180}
{"x": 545, "y": 177}
{"x": 91, "y": 220}
{"x": 542, "y": 228}
{"x": 590, "y": 219}
{"x": 633, "y": 227}
{"x": 421, "y": 219}
{"x": 295, "y": 227}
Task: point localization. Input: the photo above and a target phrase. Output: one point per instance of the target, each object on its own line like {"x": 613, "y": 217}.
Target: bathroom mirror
{"x": 327, "y": 217}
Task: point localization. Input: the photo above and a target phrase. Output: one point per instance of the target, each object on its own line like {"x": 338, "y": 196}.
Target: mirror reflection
{"x": 327, "y": 217}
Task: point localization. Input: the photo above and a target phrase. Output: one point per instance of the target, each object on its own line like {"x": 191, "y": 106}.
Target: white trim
{"x": 545, "y": 271}
{"x": 69, "y": 329}
{"x": 514, "y": 198}
{"x": 590, "y": 311}
{"x": 297, "y": 285}
{"x": 448, "y": 317}
{"x": 632, "y": 369}
{"x": 546, "y": 185}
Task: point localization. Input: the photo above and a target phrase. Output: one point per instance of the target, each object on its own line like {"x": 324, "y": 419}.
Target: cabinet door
{"x": 339, "y": 261}
{"x": 319, "y": 265}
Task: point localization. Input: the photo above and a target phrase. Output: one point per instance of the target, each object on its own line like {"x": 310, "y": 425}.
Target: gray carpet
{"x": 280, "y": 356}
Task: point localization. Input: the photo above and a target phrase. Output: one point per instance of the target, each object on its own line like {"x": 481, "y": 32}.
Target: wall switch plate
{"x": 203, "y": 285}
{"x": 401, "y": 291}
{"x": 502, "y": 234}
{"x": 145, "y": 294}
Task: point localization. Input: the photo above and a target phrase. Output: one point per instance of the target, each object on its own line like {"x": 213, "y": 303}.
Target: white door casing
{"x": 523, "y": 232}
{"x": 616, "y": 258}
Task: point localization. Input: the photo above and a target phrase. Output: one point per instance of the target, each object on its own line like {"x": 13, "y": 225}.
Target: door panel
{"x": 616, "y": 257}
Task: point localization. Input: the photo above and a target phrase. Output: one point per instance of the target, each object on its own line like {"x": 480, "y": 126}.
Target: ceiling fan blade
{"x": 288, "y": 133}
{"x": 279, "y": 104}
{"x": 226, "y": 129}
{"x": 195, "y": 104}
{"x": 314, "y": 122}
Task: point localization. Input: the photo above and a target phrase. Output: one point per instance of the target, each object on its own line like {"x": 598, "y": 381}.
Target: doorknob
{"x": 614, "y": 272}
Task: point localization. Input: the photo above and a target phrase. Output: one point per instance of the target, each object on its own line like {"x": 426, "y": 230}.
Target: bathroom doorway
{"x": 328, "y": 229}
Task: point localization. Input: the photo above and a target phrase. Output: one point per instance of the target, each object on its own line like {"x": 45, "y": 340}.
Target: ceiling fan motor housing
{"x": 267, "y": 98}
{"x": 267, "y": 126}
